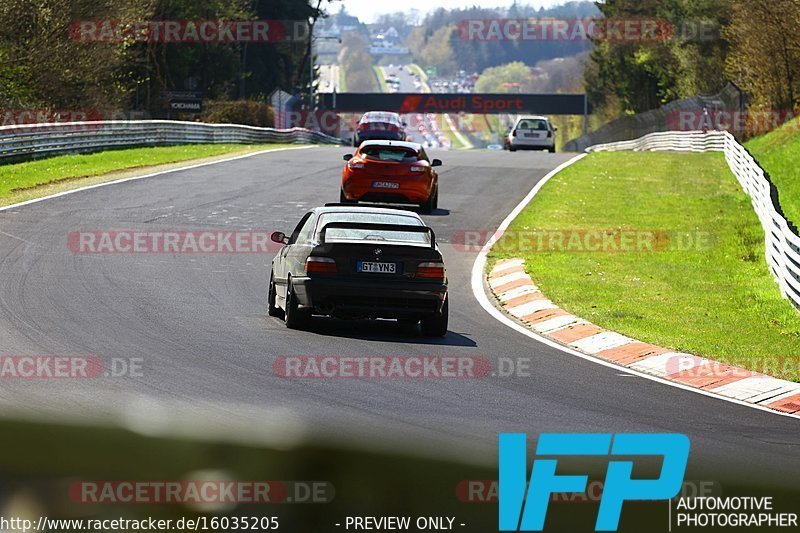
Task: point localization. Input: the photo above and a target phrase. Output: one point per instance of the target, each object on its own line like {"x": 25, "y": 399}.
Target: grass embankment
{"x": 42, "y": 177}
{"x": 383, "y": 87}
{"x": 417, "y": 70}
{"x": 706, "y": 290}
{"x": 777, "y": 153}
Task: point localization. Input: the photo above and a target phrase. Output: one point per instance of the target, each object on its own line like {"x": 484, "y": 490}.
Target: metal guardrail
{"x": 781, "y": 242}
{"x": 39, "y": 140}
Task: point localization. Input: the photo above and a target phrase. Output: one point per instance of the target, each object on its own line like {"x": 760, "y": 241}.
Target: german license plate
{"x": 377, "y": 268}
{"x": 532, "y": 135}
{"x": 385, "y": 185}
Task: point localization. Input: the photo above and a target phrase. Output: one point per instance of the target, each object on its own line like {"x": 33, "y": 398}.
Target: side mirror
{"x": 405, "y": 124}
{"x": 436, "y": 163}
{"x": 347, "y": 157}
{"x": 279, "y": 237}
{"x": 555, "y": 128}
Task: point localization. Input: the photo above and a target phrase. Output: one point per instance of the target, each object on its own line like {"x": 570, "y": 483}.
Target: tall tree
{"x": 642, "y": 74}
{"x": 764, "y": 57}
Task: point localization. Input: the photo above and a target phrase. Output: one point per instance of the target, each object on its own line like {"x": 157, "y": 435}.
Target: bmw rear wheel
{"x": 436, "y": 325}
{"x": 296, "y": 318}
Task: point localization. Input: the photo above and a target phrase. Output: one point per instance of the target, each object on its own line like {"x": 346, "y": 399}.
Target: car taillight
{"x": 549, "y": 134}
{"x": 320, "y": 265}
{"x": 514, "y": 133}
{"x": 430, "y": 270}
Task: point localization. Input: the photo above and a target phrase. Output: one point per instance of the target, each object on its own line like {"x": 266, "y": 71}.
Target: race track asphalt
{"x": 199, "y": 324}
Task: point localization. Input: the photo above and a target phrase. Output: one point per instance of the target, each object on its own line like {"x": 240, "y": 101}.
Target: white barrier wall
{"x": 34, "y": 140}
{"x": 782, "y": 244}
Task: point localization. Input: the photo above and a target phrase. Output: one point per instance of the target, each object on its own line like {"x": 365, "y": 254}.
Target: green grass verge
{"x": 777, "y": 152}
{"x": 716, "y": 299}
{"x": 456, "y": 142}
{"x": 382, "y": 86}
{"x": 42, "y": 177}
{"x": 416, "y": 69}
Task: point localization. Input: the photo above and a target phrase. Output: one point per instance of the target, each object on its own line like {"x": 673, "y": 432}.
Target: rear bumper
{"x": 414, "y": 192}
{"x": 370, "y": 297}
{"x": 533, "y": 144}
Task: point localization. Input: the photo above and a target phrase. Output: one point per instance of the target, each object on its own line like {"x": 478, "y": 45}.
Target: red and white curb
{"x": 520, "y": 298}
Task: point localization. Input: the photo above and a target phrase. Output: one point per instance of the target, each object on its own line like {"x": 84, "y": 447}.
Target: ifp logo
{"x": 519, "y": 512}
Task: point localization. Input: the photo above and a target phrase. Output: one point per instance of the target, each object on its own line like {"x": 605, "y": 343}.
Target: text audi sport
{"x": 358, "y": 262}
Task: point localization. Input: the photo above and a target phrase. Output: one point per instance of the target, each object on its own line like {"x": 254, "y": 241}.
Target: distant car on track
{"x": 379, "y": 125}
{"x": 391, "y": 171}
{"x": 531, "y": 133}
{"x": 358, "y": 262}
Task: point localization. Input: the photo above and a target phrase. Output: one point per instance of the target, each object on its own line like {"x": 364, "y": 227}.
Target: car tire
{"x": 436, "y": 325}
{"x": 552, "y": 149}
{"x": 295, "y": 318}
{"x": 511, "y": 148}
{"x": 343, "y": 199}
{"x": 427, "y": 207}
{"x": 355, "y": 142}
{"x": 436, "y": 199}
{"x": 272, "y": 307}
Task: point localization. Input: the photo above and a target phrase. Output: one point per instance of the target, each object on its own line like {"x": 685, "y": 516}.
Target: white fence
{"x": 38, "y": 140}
{"x": 782, "y": 244}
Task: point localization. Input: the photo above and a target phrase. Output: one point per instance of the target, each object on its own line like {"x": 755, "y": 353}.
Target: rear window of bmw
{"x": 371, "y": 235}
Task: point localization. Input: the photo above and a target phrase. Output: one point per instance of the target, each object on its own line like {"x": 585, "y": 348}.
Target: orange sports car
{"x": 391, "y": 171}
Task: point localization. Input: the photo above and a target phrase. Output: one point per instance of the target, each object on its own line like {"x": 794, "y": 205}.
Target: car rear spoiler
{"x": 378, "y": 227}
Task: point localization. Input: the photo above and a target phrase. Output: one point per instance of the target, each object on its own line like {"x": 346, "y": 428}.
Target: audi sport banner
{"x": 550, "y": 104}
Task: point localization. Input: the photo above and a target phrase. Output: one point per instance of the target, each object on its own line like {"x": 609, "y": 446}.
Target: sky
{"x": 367, "y": 10}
